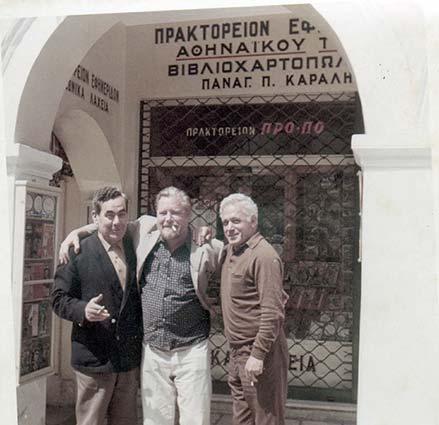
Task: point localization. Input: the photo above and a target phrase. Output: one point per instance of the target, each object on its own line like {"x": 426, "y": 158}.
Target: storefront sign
{"x": 297, "y": 52}
{"x": 252, "y": 129}
{"x": 91, "y": 88}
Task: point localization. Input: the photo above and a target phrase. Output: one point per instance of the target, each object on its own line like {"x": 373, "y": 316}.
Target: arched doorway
{"x": 86, "y": 148}
{"x": 88, "y": 151}
{"x": 389, "y": 71}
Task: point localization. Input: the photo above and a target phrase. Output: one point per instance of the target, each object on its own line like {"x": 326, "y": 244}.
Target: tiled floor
{"x": 298, "y": 413}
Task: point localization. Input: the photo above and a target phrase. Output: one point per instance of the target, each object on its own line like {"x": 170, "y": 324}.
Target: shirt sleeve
{"x": 215, "y": 249}
{"x": 269, "y": 283}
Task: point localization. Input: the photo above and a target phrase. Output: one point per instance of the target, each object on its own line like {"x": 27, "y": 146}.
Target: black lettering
{"x": 242, "y": 47}
{"x": 215, "y": 361}
{"x": 241, "y": 66}
{"x": 311, "y": 367}
{"x": 294, "y": 23}
{"x": 267, "y": 45}
{"x": 266, "y": 82}
{"x": 307, "y": 27}
{"x": 226, "y": 358}
{"x": 289, "y": 80}
{"x": 257, "y": 66}
{"x": 159, "y": 36}
{"x": 191, "y": 33}
{"x": 215, "y": 84}
{"x": 182, "y": 51}
{"x": 302, "y": 80}
{"x": 179, "y": 35}
{"x": 293, "y": 359}
{"x": 206, "y": 68}
{"x": 283, "y": 45}
{"x": 298, "y": 43}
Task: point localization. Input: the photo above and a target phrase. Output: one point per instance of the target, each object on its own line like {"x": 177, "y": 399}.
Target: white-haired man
{"x": 252, "y": 300}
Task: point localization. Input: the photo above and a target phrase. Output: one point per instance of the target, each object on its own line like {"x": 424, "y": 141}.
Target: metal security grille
{"x": 292, "y": 155}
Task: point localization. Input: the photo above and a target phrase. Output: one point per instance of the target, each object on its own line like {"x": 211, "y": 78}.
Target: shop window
{"x": 292, "y": 155}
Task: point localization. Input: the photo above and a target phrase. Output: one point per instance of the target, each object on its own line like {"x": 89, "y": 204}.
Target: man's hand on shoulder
{"x": 72, "y": 239}
{"x": 203, "y": 234}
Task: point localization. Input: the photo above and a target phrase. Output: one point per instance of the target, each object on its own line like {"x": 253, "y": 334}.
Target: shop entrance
{"x": 292, "y": 156}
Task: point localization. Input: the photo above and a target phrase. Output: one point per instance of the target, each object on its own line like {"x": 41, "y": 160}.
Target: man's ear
{"x": 94, "y": 216}
{"x": 254, "y": 222}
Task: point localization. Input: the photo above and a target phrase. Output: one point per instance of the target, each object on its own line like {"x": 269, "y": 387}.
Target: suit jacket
{"x": 113, "y": 345}
{"x": 205, "y": 259}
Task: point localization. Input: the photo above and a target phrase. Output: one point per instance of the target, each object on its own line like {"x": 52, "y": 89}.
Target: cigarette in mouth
{"x": 174, "y": 227}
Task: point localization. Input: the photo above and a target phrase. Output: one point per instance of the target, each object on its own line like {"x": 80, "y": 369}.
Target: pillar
{"x": 399, "y": 343}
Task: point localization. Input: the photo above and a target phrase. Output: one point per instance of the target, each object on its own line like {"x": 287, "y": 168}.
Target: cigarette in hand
{"x": 252, "y": 383}
{"x": 101, "y": 309}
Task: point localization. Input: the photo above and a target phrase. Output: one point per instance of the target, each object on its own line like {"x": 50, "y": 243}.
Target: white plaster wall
{"x": 106, "y": 59}
{"x": 37, "y": 105}
{"x": 61, "y": 387}
{"x": 20, "y": 60}
{"x": 386, "y": 45}
{"x": 432, "y": 28}
{"x": 88, "y": 150}
{"x": 8, "y": 398}
{"x": 134, "y": 55}
{"x": 398, "y": 348}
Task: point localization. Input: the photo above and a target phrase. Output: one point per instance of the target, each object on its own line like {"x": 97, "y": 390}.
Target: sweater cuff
{"x": 257, "y": 353}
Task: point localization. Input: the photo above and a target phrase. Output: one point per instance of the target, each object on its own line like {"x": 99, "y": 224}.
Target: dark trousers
{"x": 264, "y": 402}
{"x": 111, "y": 396}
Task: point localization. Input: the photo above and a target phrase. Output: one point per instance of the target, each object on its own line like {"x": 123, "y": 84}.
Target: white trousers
{"x": 177, "y": 377}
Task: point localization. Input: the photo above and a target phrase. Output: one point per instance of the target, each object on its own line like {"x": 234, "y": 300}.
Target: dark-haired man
{"x": 97, "y": 291}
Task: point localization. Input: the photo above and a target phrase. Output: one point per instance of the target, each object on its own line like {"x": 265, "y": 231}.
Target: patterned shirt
{"x": 173, "y": 316}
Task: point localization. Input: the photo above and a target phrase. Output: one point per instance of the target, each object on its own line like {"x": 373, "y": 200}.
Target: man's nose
{"x": 116, "y": 219}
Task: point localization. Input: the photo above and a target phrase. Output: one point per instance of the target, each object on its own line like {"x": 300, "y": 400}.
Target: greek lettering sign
{"x": 91, "y": 88}
{"x": 252, "y": 129}
{"x": 294, "y": 52}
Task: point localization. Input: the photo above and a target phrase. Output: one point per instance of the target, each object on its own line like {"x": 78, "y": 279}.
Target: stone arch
{"x": 40, "y": 85}
{"x": 88, "y": 151}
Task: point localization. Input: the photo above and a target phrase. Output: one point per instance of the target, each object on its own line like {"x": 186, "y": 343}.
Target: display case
{"x": 36, "y": 232}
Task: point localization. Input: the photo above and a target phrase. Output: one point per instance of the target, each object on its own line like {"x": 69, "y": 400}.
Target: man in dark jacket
{"x": 97, "y": 291}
